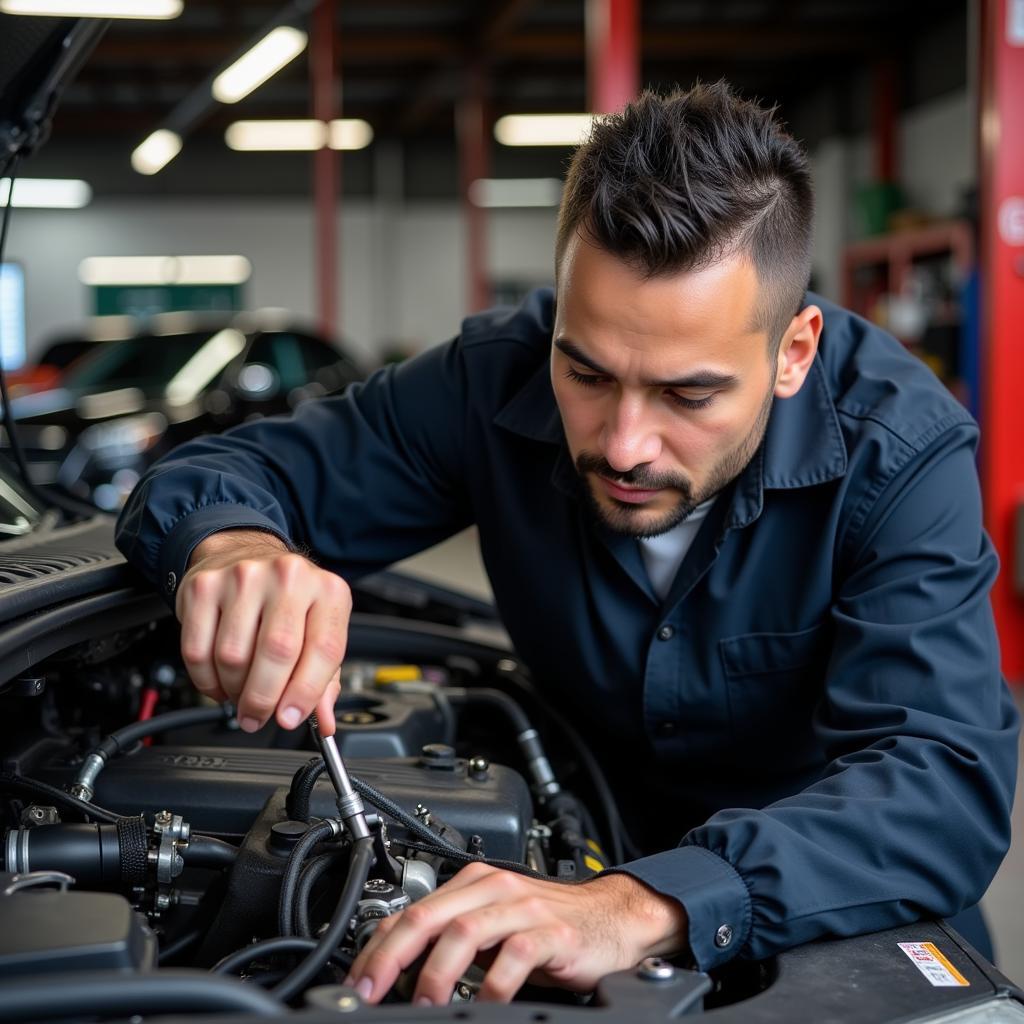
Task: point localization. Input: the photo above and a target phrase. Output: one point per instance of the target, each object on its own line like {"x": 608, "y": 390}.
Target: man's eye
{"x": 586, "y": 379}
{"x": 691, "y": 403}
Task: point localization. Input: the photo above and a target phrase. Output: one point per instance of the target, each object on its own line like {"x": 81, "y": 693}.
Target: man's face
{"x": 664, "y": 384}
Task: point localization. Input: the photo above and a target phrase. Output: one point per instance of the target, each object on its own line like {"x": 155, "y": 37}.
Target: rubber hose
{"x": 358, "y": 870}
{"x": 486, "y": 695}
{"x": 297, "y": 803}
{"x": 208, "y": 852}
{"x": 268, "y": 947}
{"x": 289, "y": 883}
{"x": 11, "y": 780}
{"x": 123, "y": 738}
{"x": 622, "y": 844}
{"x": 311, "y": 874}
{"x": 114, "y": 993}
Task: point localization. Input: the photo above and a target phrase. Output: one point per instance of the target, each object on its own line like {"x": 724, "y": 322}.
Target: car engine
{"x": 141, "y": 828}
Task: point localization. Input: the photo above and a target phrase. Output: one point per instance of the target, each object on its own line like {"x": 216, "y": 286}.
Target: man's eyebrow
{"x": 697, "y": 379}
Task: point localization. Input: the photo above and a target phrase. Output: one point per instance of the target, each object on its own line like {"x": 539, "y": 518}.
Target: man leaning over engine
{"x": 733, "y": 527}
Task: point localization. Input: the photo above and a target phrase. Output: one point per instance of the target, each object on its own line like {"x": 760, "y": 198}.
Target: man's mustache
{"x": 640, "y": 476}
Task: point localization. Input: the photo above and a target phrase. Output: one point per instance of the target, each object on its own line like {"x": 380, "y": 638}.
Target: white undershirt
{"x": 665, "y": 553}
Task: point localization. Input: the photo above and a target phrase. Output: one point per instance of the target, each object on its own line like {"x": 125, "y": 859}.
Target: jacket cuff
{"x": 195, "y": 527}
{"x": 714, "y": 896}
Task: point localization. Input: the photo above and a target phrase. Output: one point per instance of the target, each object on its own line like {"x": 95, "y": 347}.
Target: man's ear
{"x": 797, "y": 351}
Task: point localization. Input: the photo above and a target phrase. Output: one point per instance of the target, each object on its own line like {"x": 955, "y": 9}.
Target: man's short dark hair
{"x": 682, "y": 181}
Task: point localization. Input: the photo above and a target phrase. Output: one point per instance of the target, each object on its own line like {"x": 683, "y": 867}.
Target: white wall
{"x": 402, "y": 269}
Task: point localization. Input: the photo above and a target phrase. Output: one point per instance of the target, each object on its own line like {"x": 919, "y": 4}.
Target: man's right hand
{"x": 264, "y": 628}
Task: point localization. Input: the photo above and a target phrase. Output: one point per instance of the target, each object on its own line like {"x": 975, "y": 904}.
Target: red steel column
{"x": 1002, "y": 280}
{"x": 326, "y": 168}
{"x": 885, "y": 127}
{"x": 472, "y": 131}
{"x": 613, "y": 54}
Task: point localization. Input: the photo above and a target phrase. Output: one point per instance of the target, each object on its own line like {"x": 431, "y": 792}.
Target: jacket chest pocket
{"x": 774, "y": 682}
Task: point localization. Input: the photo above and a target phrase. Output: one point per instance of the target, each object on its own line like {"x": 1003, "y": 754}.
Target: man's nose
{"x": 630, "y": 437}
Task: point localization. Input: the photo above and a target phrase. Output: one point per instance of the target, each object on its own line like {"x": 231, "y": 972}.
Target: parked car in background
{"x": 127, "y": 402}
{"x": 44, "y": 373}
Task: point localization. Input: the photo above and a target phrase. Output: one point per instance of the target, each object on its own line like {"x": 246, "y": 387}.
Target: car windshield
{"x": 149, "y": 362}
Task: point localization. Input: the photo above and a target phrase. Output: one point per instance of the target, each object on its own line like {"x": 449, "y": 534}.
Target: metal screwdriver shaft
{"x": 350, "y": 803}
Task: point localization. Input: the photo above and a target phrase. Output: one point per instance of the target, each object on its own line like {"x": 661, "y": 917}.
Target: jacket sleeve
{"x": 911, "y": 817}
{"x": 360, "y": 480}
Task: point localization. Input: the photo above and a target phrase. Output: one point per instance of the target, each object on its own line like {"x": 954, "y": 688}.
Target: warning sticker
{"x": 932, "y": 964}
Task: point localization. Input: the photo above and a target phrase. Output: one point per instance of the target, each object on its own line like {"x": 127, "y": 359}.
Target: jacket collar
{"x": 803, "y": 444}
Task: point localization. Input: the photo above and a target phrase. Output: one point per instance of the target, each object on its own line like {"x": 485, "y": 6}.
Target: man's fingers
{"x": 465, "y": 936}
{"x": 233, "y": 646}
{"x": 323, "y": 647}
{"x": 521, "y": 954}
{"x": 384, "y": 958}
{"x": 278, "y": 645}
{"x": 200, "y": 617}
{"x": 469, "y": 874}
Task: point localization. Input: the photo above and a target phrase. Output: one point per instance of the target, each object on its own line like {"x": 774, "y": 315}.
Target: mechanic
{"x": 735, "y": 529}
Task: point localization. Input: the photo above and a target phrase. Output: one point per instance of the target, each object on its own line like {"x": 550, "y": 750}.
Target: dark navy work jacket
{"x": 810, "y": 733}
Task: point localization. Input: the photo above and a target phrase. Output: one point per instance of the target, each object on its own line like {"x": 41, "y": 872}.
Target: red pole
{"x": 885, "y": 120}
{"x": 474, "y": 162}
{"x": 613, "y": 54}
{"x": 1002, "y": 280}
{"x": 326, "y": 168}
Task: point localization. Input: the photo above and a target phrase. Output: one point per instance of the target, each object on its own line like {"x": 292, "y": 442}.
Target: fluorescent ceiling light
{"x": 495, "y": 192}
{"x": 349, "y": 133}
{"x": 292, "y": 136}
{"x": 253, "y": 68}
{"x": 155, "y": 152}
{"x": 543, "y": 129}
{"x": 148, "y": 9}
{"x": 55, "y": 193}
{"x": 276, "y": 135}
{"x": 163, "y": 270}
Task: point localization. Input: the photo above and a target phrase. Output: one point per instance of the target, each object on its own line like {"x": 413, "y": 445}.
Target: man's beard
{"x": 630, "y": 520}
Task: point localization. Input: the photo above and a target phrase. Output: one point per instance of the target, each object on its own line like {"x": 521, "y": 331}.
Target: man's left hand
{"x": 529, "y": 929}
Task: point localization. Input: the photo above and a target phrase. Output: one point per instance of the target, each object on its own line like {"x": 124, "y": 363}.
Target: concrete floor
{"x": 456, "y": 562}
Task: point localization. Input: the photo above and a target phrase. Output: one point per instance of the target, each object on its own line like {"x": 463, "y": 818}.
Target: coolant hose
{"x": 85, "y": 782}
{"x": 270, "y": 947}
{"x": 290, "y": 882}
{"x": 303, "y": 781}
{"x": 311, "y": 874}
{"x": 358, "y": 870}
{"x": 544, "y": 783}
{"x": 208, "y": 852}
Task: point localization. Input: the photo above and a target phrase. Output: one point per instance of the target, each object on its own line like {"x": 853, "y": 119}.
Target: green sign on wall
{"x": 145, "y": 300}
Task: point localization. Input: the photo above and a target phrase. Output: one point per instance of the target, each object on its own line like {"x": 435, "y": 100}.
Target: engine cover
{"x": 220, "y": 790}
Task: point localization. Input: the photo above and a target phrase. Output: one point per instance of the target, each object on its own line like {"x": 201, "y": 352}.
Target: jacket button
{"x": 172, "y": 581}
{"x": 723, "y": 936}
{"x": 666, "y": 633}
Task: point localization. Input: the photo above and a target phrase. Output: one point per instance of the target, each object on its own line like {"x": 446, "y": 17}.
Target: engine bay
{"x": 158, "y": 861}
{"x": 122, "y": 780}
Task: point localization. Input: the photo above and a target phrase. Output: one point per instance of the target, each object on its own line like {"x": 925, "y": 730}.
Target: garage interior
{"x": 384, "y": 238}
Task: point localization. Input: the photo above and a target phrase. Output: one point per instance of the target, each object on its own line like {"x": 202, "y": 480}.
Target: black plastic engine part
{"x": 250, "y": 903}
{"x": 220, "y": 790}
{"x": 54, "y": 932}
{"x": 379, "y": 724}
